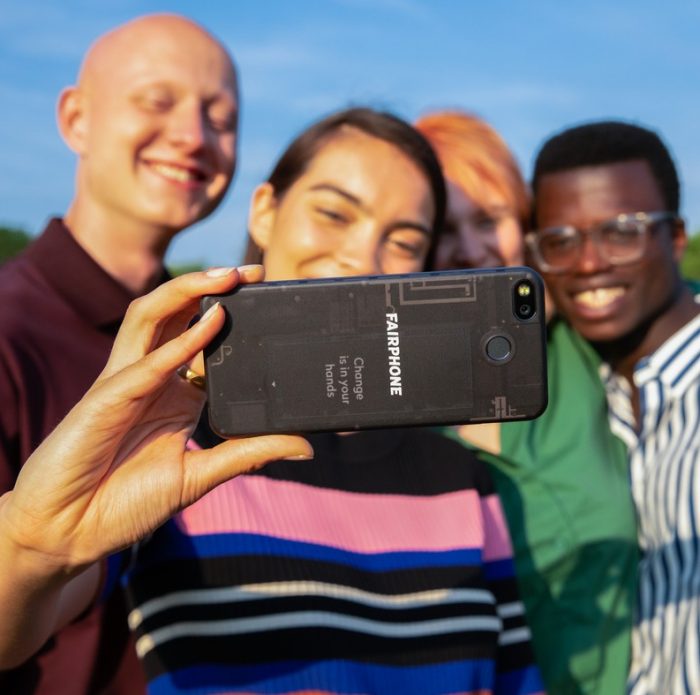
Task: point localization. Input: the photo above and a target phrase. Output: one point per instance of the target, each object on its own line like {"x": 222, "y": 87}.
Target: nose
{"x": 590, "y": 259}
{"x": 187, "y": 127}
{"x": 361, "y": 252}
{"x": 471, "y": 249}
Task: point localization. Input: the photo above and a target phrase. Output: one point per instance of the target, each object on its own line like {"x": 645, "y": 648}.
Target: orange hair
{"x": 475, "y": 157}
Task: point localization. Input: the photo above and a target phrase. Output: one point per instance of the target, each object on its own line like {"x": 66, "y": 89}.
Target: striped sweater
{"x": 383, "y": 566}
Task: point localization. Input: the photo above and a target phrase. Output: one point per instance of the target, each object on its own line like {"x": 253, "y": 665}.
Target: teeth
{"x": 176, "y": 173}
{"x": 600, "y": 297}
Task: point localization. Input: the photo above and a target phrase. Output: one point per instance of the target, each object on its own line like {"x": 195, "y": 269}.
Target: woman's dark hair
{"x": 379, "y": 124}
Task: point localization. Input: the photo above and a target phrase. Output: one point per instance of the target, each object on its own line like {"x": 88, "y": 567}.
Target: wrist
{"x": 30, "y": 562}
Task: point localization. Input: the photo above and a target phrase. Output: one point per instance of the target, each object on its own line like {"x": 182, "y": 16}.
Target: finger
{"x": 177, "y": 324}
{"x": 247, "y": 274}
{"x": 151, "y": 372}
{"x": 197, "y": 363}
{"x": 251, "y": 273}
{"x": 176, "y": 299}
{"x": 205, "y": 469}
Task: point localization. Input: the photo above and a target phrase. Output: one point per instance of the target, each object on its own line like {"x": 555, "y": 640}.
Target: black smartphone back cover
{"x": 351, "y": 353}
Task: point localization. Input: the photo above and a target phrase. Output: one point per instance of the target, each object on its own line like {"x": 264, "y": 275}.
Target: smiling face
{"x": 607, "y": 302}
{"x": 478, "y": 236}
{"x": 361, "y": 207}
{"x": 154, "y": 122}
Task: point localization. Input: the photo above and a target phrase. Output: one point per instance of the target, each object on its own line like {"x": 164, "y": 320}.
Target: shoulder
{"x": 28, "y": 300}
{"x": 564, "y": 344}
{"x": 694, "y": 287}
{"x": 23, "y": 290}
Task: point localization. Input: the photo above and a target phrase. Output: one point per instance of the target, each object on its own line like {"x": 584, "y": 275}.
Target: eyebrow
{"x": 399, "y": 224}
{"x": 341, "y": 192}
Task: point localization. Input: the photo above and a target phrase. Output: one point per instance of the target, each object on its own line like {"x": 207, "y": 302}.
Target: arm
{"x": 38, "y": 601}
{"x": 117, "y": 467}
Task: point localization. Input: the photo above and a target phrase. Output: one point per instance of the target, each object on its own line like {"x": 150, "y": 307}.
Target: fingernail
{"x": 210, "y": 311}
{"x": 252, "y": 268}
{"x": 219, "y": 272}
{"x": 298, "y": 457}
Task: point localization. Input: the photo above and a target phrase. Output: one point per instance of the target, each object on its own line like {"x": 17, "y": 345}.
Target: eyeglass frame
{"x": 648, "y": 219}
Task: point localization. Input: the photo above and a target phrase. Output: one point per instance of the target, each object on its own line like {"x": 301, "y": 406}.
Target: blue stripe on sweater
{"x": 336, "y": 676}
{"x": 231, "y": 545}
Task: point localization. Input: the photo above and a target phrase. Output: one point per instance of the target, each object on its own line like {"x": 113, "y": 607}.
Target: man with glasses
{"x": 608, "y": 242}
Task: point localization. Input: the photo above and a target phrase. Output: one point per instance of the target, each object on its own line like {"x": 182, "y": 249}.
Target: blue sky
{"x": 530, "y": 68}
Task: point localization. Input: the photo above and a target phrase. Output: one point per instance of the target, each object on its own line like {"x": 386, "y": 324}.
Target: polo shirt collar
{"x": 101, "y": 300}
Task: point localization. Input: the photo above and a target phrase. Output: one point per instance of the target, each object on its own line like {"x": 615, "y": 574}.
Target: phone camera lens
{"x": 524, "y": 300}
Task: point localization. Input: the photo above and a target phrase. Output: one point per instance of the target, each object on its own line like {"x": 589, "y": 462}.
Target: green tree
{"x": 690, "y": 265}
{"x": 181, "y": 269}
{"x": 12, "y": 241}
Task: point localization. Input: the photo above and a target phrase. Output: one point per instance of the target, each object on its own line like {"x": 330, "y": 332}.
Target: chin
{"x": 178, "y": 220}
{"x": 604, "y": 333}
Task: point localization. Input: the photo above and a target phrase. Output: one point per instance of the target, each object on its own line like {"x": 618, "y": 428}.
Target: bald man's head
{"x": 153, "y": 121}
{"x": 104, "y": 55}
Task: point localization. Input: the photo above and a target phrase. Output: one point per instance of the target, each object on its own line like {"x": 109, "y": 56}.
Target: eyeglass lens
{"x": 618, "y": 242}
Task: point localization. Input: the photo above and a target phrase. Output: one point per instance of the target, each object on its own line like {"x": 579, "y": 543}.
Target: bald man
{"x": 152, "y": 121}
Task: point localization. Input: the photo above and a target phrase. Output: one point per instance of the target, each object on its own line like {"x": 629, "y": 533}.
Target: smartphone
{"x": 340, "y": 354}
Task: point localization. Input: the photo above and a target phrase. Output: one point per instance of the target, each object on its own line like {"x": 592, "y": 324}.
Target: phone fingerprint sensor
{"x": 499, "y": 348}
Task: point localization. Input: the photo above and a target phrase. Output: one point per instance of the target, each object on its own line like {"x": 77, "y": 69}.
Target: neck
{"x": 130, "y": 251}
{"x": 623, "y": 355}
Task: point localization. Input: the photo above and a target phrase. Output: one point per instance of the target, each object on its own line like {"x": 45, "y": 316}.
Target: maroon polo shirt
{"x": 59, "y": 313}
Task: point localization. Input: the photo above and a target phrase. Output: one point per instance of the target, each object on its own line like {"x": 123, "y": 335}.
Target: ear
{"x": 261, "y": 217}
{"x": 72, "y": 119}
{"x": 679, "y": 239}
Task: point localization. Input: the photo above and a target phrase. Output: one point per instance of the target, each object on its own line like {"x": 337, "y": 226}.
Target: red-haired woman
{"x": 488, "y": 200}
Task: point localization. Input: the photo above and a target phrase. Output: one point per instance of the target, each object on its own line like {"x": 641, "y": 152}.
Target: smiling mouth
{"x": 599, "y": 298}
{"x": 178, "y": 173}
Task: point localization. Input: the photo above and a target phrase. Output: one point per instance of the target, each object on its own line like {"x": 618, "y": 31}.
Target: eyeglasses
{"x": 619, "y": 241}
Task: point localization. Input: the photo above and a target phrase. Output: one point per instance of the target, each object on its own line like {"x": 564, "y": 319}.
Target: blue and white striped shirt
{"x": 665, "y": 478}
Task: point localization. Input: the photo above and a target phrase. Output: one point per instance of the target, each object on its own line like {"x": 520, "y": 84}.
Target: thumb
{"x": 207, "y": 468}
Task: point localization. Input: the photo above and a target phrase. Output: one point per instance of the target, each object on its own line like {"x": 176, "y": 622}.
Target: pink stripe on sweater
{"x": 497, "y": 545}
{"x": 351, "y": 521}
